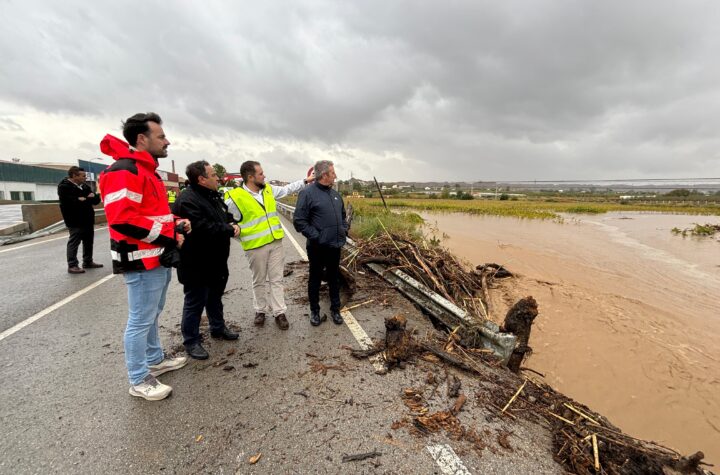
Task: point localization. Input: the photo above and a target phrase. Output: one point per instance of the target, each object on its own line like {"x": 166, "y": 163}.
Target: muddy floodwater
{"x": 629, "y": 314}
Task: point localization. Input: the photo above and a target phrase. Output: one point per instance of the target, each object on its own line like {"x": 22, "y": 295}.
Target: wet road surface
{"x": 66, "y": 409}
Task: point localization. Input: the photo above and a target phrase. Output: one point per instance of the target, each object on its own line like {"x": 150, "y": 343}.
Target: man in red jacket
{"x": 141, "y": 227}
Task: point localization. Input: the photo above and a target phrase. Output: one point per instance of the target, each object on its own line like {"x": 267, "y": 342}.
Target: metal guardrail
{"x": 485, "y": 332}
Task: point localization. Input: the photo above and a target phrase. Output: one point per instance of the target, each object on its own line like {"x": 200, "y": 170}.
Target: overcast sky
{"x": 404, "y": 90}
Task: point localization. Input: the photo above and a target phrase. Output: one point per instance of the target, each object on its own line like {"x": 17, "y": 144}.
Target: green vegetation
{"x": 585, "y": 209}
{"x": 366, "y": 223}
{"x": 702, "y": 230}
{"x": 366, "y": 219}
{"x": 548, "y": 208}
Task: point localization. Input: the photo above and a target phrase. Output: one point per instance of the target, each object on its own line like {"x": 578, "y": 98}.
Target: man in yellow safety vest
{"x": 171, "y": 195}
{"x": 253, "y": 206}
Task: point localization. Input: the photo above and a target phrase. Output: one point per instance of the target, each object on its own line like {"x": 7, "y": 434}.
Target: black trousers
{"x": 197, "y": 298}
{"x": 327, "y": 259}
{"x": 86, "y": 235}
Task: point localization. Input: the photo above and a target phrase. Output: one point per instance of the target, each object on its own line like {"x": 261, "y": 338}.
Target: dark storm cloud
{"x": 431, "y": 90}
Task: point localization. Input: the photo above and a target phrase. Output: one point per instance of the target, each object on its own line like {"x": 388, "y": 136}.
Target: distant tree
{"x": 504, "y": 197}
{"x": 221, "y": 172}
{"x": 679, "y": 192}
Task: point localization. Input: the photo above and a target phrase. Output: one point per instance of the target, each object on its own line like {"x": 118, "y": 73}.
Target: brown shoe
{"x": 282, "y": 322}
{"x": 75, "y": 270}
{"x": 259, "y": 319}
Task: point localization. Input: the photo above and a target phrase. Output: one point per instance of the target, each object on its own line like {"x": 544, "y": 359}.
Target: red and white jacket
{"x": 136, "y": 206}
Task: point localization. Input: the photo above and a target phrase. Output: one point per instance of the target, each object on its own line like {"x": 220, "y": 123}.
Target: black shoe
{"x": 315, "y": 318}
{"x": 197, "y": 352}
{"x": 92, "y": 265}
{"x": 225, "y": 334}
{"x": 336, "y": 317}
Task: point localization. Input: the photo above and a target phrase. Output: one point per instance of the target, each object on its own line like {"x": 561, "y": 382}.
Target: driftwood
{"x": 348, "y": 279}
{"x": 356, "y": 457}
{"x": 432, "y": 266}
{"x": 495, "y": 270}
{"x": 378, "y": 260}
{"x": 448, "y": 358}
{"x": 398, "y": 344}
{"x": 519, "y": 320}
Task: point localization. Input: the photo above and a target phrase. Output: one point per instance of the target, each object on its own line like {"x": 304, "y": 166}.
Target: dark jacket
{"x": 320, "y": 216}
{"x": 204, "y": 255}
{"x": 75, "y": 212}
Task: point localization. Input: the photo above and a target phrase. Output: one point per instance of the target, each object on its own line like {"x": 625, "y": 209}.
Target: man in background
{"x": 76, "y": 205}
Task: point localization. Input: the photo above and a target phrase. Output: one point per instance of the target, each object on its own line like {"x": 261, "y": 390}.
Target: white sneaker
{"x": 168, "y": 364}
{"x": 151, "y": 389}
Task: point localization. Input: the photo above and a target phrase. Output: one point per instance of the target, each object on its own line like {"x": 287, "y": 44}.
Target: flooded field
{"x": 629, "y": 315}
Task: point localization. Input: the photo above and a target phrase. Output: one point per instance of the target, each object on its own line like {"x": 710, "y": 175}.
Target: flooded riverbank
{"x": 629, "y": 317}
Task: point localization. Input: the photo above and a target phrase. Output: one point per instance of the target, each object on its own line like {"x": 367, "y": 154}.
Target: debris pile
{"x": 433, "y": 266}
{"x": 584, "y": 442}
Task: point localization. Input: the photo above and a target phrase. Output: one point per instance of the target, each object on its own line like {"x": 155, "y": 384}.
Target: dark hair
{"x": 196, "y": 170}
{"x": 138, "y": 124}
{"x": 247, "y": 169}
{"x": 74, "y": 171}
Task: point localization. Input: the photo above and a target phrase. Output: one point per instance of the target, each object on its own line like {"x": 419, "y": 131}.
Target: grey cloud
{"x": 495, "y": 89}
{"x": 9, "y": 125}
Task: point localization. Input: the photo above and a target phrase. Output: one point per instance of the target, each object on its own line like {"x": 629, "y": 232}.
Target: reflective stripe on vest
{"x": 258, "y": 226}
{"x": 137, "y": 255}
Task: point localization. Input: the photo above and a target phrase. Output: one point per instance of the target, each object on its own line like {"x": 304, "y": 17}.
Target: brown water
{"x": 629, "y": 316}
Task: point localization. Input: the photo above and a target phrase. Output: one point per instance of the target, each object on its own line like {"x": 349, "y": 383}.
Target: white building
{"x": 20, "y": 182}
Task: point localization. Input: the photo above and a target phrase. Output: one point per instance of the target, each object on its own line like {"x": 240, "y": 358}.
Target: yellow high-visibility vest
{"x": 258, "y": 226}
{"x": 171, "y": 196}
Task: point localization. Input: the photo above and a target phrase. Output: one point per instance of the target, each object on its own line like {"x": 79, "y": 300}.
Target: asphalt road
{"x": 66, "y": 409}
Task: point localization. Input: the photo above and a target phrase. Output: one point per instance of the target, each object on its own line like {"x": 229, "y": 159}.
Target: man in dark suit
{"x": 203, "y": 269}
{"x": 76, "y": 206}
{"x": 320, "y": 216}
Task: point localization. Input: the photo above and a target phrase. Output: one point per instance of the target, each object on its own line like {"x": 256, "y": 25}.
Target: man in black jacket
{"x": 320, "y": 217}
{"x": 203, "y": 269}
{"x": 76, "y": 206}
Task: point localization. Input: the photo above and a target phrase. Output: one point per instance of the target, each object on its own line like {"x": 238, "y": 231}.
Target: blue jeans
{"x": 146, "y": 299}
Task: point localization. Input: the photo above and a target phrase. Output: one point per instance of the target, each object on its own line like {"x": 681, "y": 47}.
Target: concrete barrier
{"x": 10, "y": 229}
{"x": 41, "y": 215}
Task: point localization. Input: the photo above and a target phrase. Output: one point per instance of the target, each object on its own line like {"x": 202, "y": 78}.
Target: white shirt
{"x": 278, "y": 192}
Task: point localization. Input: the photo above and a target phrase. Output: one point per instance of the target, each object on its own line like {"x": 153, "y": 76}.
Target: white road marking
{"x": 41, "y": 242}
{"x": 357, "y": 331}
{"x": 52, "y": 308}
{"x": 447, "y": 460}
{"x": 363, "y": 340}
{"x": 299, "y": 248}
